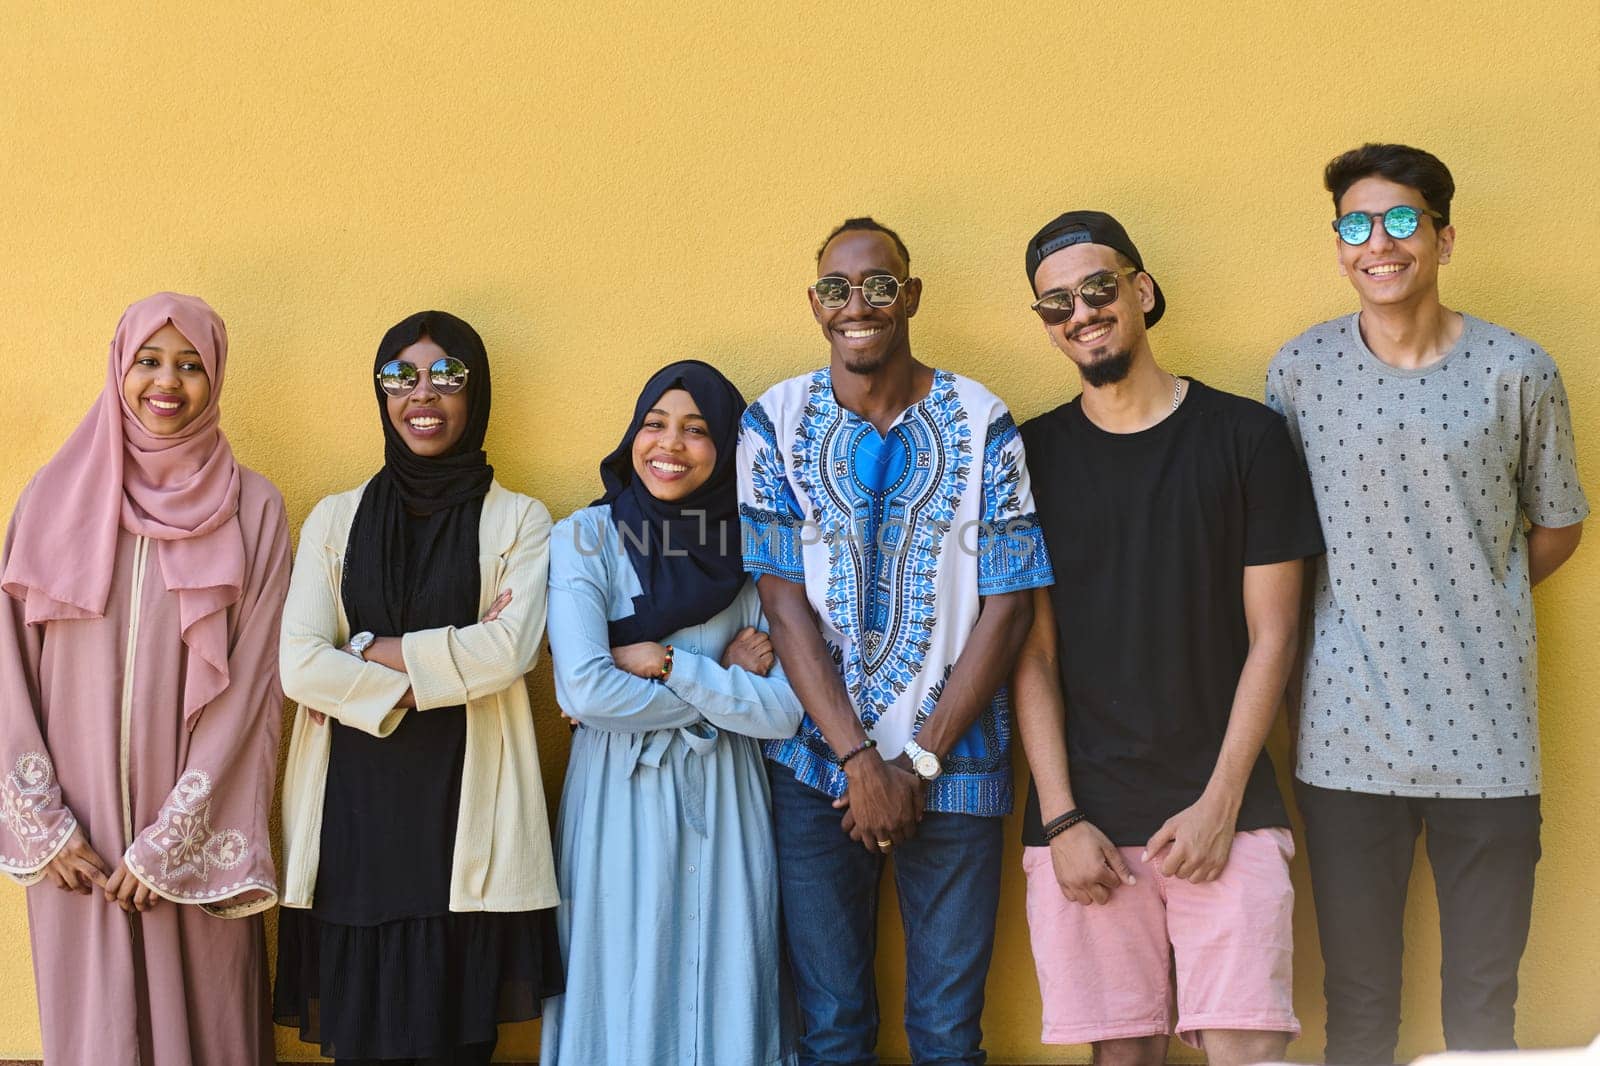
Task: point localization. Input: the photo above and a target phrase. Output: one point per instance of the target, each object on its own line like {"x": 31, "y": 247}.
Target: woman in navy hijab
{"x": 668, "y": 922}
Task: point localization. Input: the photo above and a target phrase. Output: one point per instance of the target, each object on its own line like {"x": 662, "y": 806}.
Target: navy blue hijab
{"x": 705, "y": 569}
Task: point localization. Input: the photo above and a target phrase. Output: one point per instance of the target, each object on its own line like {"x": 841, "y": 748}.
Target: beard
{"x": 1106, "y": 369}
{"x": 864, "y": 362}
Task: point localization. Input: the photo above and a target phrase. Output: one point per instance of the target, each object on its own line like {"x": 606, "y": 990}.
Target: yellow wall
{"x": 601, "y": 189}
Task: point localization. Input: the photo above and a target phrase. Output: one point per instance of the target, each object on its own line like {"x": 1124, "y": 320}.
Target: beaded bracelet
{"x": 1061, "y": 824}
{"x": 666, "y": 665}
{"x": 865, "y": 745}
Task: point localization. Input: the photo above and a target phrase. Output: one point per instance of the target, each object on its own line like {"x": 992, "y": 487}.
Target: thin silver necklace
{"x": 1177, "y": 390}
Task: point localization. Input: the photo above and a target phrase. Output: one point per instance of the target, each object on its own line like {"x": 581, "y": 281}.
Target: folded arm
{"x": 590, "y": 686}
{"x": 313, "y": 669}
{"x": 453, "y": 665}
{"x": 736, "y": 699}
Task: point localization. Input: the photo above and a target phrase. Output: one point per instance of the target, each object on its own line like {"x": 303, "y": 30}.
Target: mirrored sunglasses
{"x": 1399, "y": 222}
{"x": 1097, "y": 290}
{"x": 398, "y": 377}
{"x": 879, "y": 290}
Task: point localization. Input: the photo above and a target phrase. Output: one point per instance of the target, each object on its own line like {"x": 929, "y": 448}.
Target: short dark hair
{"x": 867, "y": 222}
{"x": 1402, "y": 165}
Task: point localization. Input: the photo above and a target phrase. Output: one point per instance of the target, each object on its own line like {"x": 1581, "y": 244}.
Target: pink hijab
{"x": 181, "y": 491}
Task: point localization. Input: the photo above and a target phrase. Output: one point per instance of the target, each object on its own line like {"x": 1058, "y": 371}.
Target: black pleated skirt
{"x": 414, "y": 987}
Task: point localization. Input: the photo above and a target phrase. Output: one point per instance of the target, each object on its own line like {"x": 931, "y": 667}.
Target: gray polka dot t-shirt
{"x": 1420, "y": 674}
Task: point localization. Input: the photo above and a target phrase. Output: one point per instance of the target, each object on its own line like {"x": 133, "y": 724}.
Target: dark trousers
{"x": 948, "y": 881}
{"x": 1483, "y": 852}
{"x": 466, "y": 1055}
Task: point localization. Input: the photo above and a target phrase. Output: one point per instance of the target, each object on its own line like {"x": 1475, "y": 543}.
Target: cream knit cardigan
{"x": 502, "y": 858}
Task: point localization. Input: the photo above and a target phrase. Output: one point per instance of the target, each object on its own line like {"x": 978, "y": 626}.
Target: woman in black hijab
{"x": 668, "y": 920}
{"x": 419, "y": 878}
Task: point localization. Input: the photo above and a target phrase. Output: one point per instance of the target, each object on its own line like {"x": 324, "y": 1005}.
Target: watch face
{"x": 926, "y": 765}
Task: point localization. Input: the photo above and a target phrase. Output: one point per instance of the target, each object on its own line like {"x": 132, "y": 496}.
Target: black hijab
{"x": 412, "y": 559}
{"x": 705, "y": 569}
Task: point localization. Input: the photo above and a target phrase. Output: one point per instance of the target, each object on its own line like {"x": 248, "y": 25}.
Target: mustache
{"x": 1094, "y": 323}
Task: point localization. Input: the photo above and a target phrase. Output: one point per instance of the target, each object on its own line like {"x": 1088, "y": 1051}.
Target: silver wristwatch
{"x": 923, "y": 761}
{"x": 360, "y": 643}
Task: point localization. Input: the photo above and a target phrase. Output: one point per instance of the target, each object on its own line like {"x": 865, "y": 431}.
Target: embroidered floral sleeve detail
{"x": 36, "y": 822}
{"x": 187, "y": 859}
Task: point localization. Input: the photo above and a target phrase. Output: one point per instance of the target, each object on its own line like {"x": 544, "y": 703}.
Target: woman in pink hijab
{"x": 145, "y": 572}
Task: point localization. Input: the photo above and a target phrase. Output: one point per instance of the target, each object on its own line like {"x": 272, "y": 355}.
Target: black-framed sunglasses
{"x": 398, "y": 377}
{"x": 879, "y": 290}
{"x": 1097, "y": 290}
{"x": 1399, "y": 222}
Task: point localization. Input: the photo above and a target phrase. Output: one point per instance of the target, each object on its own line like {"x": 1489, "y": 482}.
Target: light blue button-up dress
{"x": 669, "y": 892}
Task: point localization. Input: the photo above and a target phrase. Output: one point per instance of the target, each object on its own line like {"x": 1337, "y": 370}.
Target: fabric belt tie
{"x": 699, "y": 740}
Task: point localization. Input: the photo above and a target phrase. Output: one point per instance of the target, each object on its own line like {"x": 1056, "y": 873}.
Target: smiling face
{"x": 428, "y": 421}
{"x": 1101, "y": 341}
{"x": 861, "y": 337}
{"x": 673, "y": 453}
{"x": 167, "y": 386}
{"x": 1385, "y": 271}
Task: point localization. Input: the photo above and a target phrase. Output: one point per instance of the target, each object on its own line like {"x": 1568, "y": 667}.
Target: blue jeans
{"x": 948, "y": 881}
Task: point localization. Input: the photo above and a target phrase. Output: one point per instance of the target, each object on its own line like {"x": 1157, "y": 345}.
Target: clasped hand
{"x": 78, "y": 868}
{"x": 883, "y": 801}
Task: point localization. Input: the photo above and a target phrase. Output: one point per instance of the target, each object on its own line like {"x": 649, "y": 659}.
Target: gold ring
{"x": 886, "y": 844}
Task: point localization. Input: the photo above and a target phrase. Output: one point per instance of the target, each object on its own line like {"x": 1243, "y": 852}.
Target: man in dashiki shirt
{"x": 887, "y": 512}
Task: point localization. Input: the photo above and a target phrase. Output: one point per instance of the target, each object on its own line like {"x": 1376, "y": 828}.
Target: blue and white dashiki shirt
{"x": 895, "y": 537}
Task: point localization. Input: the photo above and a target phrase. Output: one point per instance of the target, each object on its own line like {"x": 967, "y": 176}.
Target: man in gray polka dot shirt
{"x": 1441, "y": 455}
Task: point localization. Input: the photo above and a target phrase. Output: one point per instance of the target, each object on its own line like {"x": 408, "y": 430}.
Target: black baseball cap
{"x": 1089, "y": 227}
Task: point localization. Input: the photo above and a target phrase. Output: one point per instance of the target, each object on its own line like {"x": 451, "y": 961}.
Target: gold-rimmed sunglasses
{"x": 1096, "y": 290}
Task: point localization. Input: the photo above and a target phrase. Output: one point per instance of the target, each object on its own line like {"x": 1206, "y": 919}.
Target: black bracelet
{"x": 865, "y": 745}
{"x": 1056, "y": 826}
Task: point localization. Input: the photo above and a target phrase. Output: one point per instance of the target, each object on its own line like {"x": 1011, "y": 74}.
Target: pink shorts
{"x": 1105, "y": 971}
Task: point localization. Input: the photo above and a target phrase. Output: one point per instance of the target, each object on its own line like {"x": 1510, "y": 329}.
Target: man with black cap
{"x": 1178, "y": 518}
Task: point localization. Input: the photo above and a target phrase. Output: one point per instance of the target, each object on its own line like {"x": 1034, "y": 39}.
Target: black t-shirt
{"x": 1150, "y": 533}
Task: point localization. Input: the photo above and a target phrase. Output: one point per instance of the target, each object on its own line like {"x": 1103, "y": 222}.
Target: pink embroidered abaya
{"x": 139, "y": 703}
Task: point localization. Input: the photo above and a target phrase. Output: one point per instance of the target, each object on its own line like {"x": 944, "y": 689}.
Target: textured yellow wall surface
{"x": 601, "y": 189}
